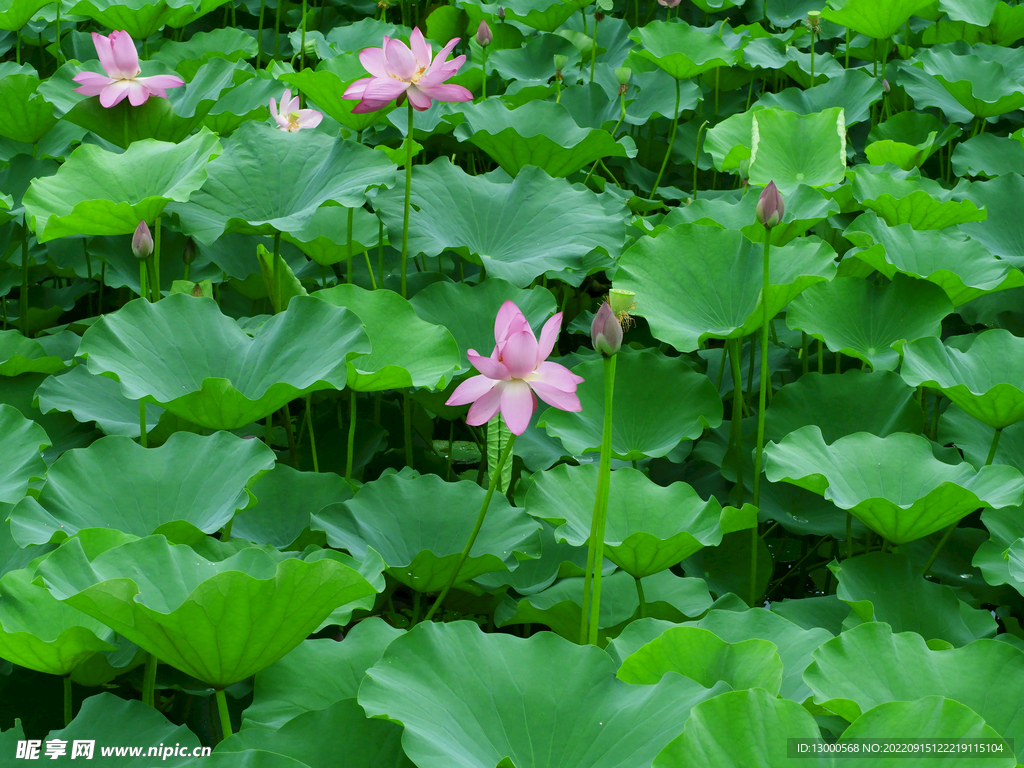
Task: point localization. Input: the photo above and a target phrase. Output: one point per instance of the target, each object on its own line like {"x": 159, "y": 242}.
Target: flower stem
{"x": 302, "y": 54}
{"x": 736, "y": 431}
{"x": 68, "y": 701}
{"x": 143, "y": 290}
{"x": 483, "y": 85}
{"x": 225, "y": 716}
{"x": 601, "y": 503}
{"x": 156, "y": 261}
{"x": 640, "y": 597}
{"x": 671, "y": 141}
{"x": 408, "y": 198}
{"x": 351, "y": 434}
{"x": 351, "y": 215}
{"x": 949, "y": 531}
{"x": 23, "y": 297}
{"x": 149, "y": 681}
{"x": 142, "y": 424}
{"x": 312, "y": 437}
{"x": 761, "y": 403}
{"x": 495, "y": 474}
{"x": 259, "y": 35}
{"x": 696, "y": 159}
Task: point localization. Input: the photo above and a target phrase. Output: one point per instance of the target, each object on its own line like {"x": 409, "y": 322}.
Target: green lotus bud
{"x": 560, "y": 61}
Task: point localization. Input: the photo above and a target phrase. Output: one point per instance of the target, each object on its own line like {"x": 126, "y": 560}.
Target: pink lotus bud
{"x": 605, "y": 331}
{"x": 501, "y": 13}
{"x": 885, "y": 85}
{"x": 770, "y": 206}
{"x": 483, "y": 35}
{"x": 142, "y": 242}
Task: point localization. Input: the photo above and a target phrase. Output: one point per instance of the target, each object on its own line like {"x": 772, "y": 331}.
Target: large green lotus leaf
{"x": 405, "y": 351}
{"x": 341, "y": 668}
{"x": 649, "y": 527}
{"x": 249, "y": 758}
{"x": 1003, "y": 231}
{"x": 188, "y": 486}
{"x": 698, "y": 282}
{"x": 1015, "y": 555}
{"x": 871, "y": 665}
{"x": 988, "y": 155}
{"x": 984, "y": 87}
{"x": 962, "y": 267}
{"x": 805, "y": 207}
{"x": 728, "y": 143}
{"x": 855, "y": 401}
{"x": 907, "y": 139}
{"x": 854, "y": 91}
{"x": 285, "y": 500}
{"x": 318, "y": 738}
{"x": 25, "y": 116}
{"x": 109, "y": 720}
{"x": 531, "y": 576}
{"x": 504, "y": 712}
{"x": 21, "y": 444}
{"x": 701, "y": 655}
{"x": 793, "y": 149}
{"x": 517, "y": 231}
{"x": 985, "y": 379}
{"x": 922, "y": 203}
{"x": 39, "y": 632}
{"x": 95, "y": 398}
{"x": 187, "y": 56}
{"x": 15, "y": 14}
{"x": 794, "y": 643}
{"x": 540, "y": 133}
{"x": 889, "y": 588}
{"x": 1005, "y": 527}
{"x": 97, "y": 192}
{"x": 219, "y": 621}
{"x": 646, "y": 421}
{"x": 666, "y": 596}
{"x": 879, "y": 19}
{"x": 681, "y": 50}
{"x": 466, "y": 310}
{"x": 742, "y": 729}
{"x": 852, "y": 316}
{"x": 196, "y": 362}
{"x": 939, "y": 718}
{"x": 974, "y": 439}
{"x": 542, "y": 15}
{"x": 47, "y": 354}
{"x": 240, "y": 194}
{"x": 419, "y": 525}
{"x": 908, "y": 495}
{"x": 327, "y": 85}
{"x": 144, "y": 18}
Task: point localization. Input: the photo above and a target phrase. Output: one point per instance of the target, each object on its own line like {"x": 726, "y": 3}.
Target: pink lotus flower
{"x": 290, "y": 118}
{"x": 120, "y": 61}
{"x": 413, "y": 73}
{"x": 516, "y": 369}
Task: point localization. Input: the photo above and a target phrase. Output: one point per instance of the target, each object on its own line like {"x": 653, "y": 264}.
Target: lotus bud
{"x": 142, "y": 242}
{"x": 770, "y": 206}
{"x": 622, "y": 74}
{"x": 885, "y": 85}
{"x": 668, "y": 3}
{"x": 483, "y": 35}
{"x": 501, "y": 13}
{"x": 188, "y": 253}
{"x": 605, "y": 331}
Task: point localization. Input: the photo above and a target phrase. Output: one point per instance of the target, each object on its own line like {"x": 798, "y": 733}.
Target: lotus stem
{"x": 68, "y": 701}
{"x": 380, "y": 253}
{"x": 351, "y": 215}
{"x": 351, "y": 434}
{"x": 737, "y": 413}
{"x": 59, "y": 57}
{"x": 156, "y": 261}
{"x": 495, "y": 474}
{"x": 671, "y": 141}
{"x": 483, "y": 83}
{"x": 408, "y": 199}
{"x": 302, "y": 54}
{"x": 277, "y": 24}
{"x": 604, "y": 476}
{"x": 259, "y": 37}
{"x": 149, "y": 681}
{"x": 593, "y": 45}
{"x": 225, "y": 716}
{"x": 640, "y": 596}
{"x": 309, "y": 426}
{"x": 696, "y": 159}
{"x": 407, "y": 427}
{"x": 23, "y": 297}
{"x": 762, "y": 404}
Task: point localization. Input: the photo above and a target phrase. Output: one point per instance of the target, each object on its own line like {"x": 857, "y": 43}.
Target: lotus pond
{"x": 561, "y": 384}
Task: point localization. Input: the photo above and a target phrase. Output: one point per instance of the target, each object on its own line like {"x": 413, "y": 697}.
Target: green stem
{"x": 59, "y": 56}
{"x": 225, "y": 716}
{"x": 671, "y": 141}
{"x": 259, "y": 34}
{"x": 149, "y": 681}
{"x": 640, "y": 597}
{"x": 812, "y": 58}
{"x": 483, "y": 83}
{"x": 993, "y": 446}
{"x": 68, "y": 701}
{"x": 156, "y": 261}
{"x": 407, "y": 427}
{"x": 849, "y": 535}
{"x": 312, "y": 437}
{"x": 408, "y": 198}
{"x": 277, "y": 24}
{"x": 696, "y": 159}
{"x": 351, "y": 215}
{"x": 737, "y": 414}
{"x": 23, "y": 298}
{"x": 762, "y": 404}
{"x": 495, "y": 474}
{"x": 601, "y": 507}
{"x": 302, "y": 54}
{"x": 351, "y": 434}
{"x": 593, "y": 49}
{"x": 414, "y": 618}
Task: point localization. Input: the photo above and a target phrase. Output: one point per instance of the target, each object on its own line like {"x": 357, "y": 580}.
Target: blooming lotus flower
{"x": 516, "y": 373}
{"x": 414, "y": 73}
{"x": 770, "y": 206}
{"x": 120, "y": 61}
{"x": 289, "y": 117}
